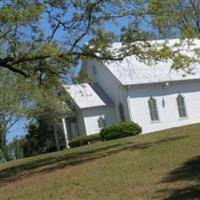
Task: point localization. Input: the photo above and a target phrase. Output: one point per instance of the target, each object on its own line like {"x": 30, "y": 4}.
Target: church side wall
{"x": 92, "y": 115}
{"x": 110, "y": 85}
{"x": 167, "y": 105}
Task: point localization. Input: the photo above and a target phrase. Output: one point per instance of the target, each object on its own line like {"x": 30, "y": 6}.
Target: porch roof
{"x": 88, "y": 95}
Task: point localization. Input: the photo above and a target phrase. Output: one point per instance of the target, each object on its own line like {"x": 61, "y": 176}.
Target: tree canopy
{"x": 11, "y": 99}
{"x": 176, "y": 18}
{"x": 40, "y": 138}
{"x": 42, "y": 40}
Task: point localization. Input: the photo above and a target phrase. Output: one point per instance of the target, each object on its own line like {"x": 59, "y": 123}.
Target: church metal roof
{"x": 132, "y": 71}
{"x": 87, "y": 95}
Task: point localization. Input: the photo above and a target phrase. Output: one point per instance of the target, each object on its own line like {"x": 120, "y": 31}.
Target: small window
{"x": 153, "y": 109}
{"x": 94, "y": 69}
{"x": 101, "y": 122}
{"x": 181, "y": 106}
{"x": 121, "y": 112}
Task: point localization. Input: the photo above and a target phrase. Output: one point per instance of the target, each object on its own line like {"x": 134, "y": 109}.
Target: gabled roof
{"x": 132, "y": 71}
{"x": 87, "y": 95}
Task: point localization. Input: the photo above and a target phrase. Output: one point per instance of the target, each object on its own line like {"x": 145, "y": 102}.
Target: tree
{"x": 40, "y": 137}
{"x": 33, "y": 53}
{"x": 10, "y": 107}
{"x": 176, "y": 18}
{"x": 37, "y": 54}
{"x": 15, "y": 149}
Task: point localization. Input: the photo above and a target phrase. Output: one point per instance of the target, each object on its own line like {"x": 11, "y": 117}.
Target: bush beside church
{"x": 118, "y": 130}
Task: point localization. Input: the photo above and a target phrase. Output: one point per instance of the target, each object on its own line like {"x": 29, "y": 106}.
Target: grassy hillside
{"x": 164, "y": 165}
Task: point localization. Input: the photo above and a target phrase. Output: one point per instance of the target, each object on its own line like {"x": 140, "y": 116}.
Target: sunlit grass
{"x": 163, "y": 165}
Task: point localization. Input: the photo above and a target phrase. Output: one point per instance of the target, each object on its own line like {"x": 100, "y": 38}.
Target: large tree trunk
{"x": 3, "y": 146}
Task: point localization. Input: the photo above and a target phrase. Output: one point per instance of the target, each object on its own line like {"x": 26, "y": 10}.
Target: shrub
{"x": 119, "y": 130}
{"x": 84, "y": 140}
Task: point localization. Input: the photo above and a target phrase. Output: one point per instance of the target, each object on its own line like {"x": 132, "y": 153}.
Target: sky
{"x": 19, "y": 129}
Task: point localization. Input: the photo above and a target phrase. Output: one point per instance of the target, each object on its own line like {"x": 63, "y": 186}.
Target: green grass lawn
{"x": 163, "y": 165}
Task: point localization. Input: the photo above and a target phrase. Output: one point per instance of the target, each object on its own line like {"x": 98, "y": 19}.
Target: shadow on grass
{"x": 48, "y": 164}
{"x": 189, "y": 193}
{"x": 190, "y": 172}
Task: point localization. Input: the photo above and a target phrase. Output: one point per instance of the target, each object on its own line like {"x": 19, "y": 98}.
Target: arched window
{"x": 181, "y": 106}
{"x": 121, "y": 112}
{"x": 101, "y": 122}
{"x": 153, "y": 109}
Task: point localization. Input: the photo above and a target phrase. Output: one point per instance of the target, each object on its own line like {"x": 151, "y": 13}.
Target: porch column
{"x": 65, "y": 132}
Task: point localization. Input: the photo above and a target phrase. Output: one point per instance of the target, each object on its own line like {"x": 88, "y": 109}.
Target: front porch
{"x": 70, "y": 127}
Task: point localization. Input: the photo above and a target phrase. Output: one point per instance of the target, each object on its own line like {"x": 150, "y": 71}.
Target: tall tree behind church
{"x": 40, "y": 138}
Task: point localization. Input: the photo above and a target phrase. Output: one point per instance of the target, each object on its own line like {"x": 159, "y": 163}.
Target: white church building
{"x": 156, "y": 97}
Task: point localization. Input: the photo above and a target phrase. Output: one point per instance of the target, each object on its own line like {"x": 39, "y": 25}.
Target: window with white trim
{"x": 153, "y": 110}
{"x": 101, "y": 122}
{"x": 181, "y": 106}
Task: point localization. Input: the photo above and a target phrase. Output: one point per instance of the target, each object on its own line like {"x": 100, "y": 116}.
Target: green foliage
{"x": 84, "y": 140}
{"x": 2, "y": 159}
{"x": 177, "y": 18}
{"x": 119, "y": 130}
{"x": 15, "y": 149}
{"x": 40, "y": 138}
{"x": 27, "y": 12}
{"x": 39, "y": 55}
{"x": 11, "y": 100}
